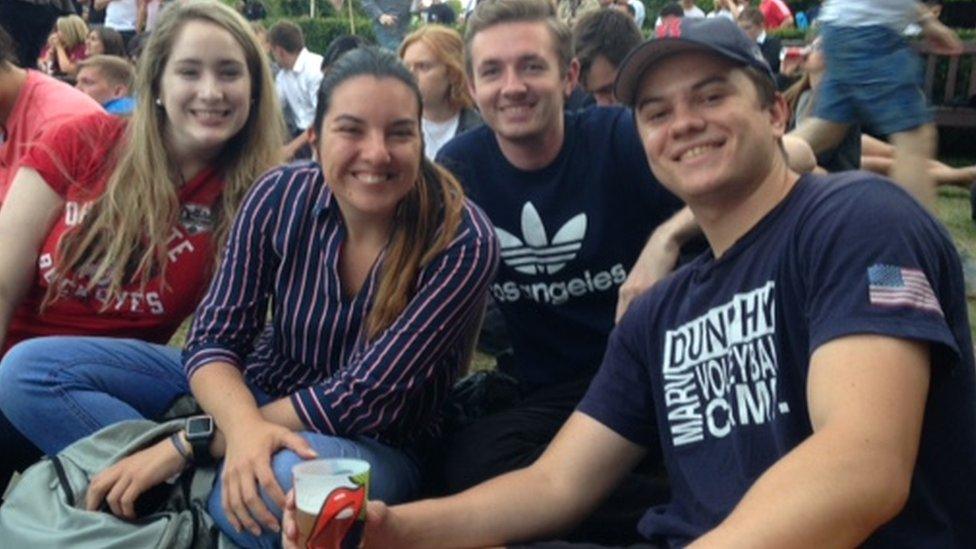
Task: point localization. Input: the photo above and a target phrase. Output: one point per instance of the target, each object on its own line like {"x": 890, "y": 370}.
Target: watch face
{"x": 199, "y": 426}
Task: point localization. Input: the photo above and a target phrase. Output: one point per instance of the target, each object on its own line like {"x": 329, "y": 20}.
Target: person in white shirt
{"x": 639, "y": 12}
{"x": 297, "y": 81}
{"x": 728, "y": 8}
{"x": 120, "y": 15}
{"x": 435, "y": 56}
{"x": 690, "y": 9}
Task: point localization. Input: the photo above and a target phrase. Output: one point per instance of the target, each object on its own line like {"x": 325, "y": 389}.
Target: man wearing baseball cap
{"x": 810, "y": 378}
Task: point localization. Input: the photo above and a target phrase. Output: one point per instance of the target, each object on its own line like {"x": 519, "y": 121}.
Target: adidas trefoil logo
{"x": 537, "y": 255}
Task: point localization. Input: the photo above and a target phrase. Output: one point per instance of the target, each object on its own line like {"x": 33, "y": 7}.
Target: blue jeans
{"x": 56, "y": 390}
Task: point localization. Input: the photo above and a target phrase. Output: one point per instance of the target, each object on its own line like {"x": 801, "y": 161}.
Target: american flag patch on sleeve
{"x": 890, "y": 286}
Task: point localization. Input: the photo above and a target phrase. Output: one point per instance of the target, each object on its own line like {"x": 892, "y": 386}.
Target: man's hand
{"x": 289, "y": 524}
{"x": 381, "y": 532}
{"x": 388, "y": 20}
{"x": 657, "y": 259}
{"x": 247, "y": 466}
{"x": 121, "y": 484}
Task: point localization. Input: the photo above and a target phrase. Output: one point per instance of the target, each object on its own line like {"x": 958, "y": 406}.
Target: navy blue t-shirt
{"x": 713, "y": 362}
{"x": 569, "y": 234}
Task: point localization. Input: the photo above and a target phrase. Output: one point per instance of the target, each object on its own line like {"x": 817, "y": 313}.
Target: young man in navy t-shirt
{"x": 573, "y": 202}
{"x": 810, "y": 378}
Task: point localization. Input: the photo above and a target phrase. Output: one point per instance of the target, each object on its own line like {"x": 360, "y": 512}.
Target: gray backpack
{"x": 46, "y": 508}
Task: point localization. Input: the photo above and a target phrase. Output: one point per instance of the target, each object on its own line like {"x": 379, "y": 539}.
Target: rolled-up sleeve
{"x": 373, "y": 390}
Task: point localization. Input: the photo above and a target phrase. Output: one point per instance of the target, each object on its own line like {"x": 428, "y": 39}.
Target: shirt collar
{"x": 303, "y": 58}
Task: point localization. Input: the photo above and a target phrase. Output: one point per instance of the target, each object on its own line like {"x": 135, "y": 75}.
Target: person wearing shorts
{"x": 872, "y": 79}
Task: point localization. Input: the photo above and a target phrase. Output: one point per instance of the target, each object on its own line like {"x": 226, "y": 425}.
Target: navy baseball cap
{"x": 714, "y": 34}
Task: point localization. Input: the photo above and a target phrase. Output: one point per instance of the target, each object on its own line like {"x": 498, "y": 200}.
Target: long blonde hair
{"x": 72, "y": 30}
{"x": 123, "y": 238}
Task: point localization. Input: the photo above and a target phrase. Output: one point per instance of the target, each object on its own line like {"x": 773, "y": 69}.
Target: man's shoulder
{"x": 309, "y": 63}
{"x": 854, "y": 190}
{"x": 122, "y": 106}
{"x": 51, "y": 98}
{"x": 471, "y": 144}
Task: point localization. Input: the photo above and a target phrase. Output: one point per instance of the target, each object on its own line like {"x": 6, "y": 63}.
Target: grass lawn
{"x": 954, "y": 211}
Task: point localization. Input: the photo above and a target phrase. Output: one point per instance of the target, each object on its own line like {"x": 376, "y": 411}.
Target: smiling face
{"x": 205, "y": 89}
{"x": 517, "y": 82}
{"x": 430, "y": 73}
{"x": 94, "y": 44}
{"x": 370, "y": 151}
{"x": 705, "y": 134}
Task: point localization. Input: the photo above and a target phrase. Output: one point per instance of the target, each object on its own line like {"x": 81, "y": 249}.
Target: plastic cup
{"x": 330, "y": 499}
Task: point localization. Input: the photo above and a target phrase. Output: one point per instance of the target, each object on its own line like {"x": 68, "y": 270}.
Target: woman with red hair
{"x": 435, "y": 56}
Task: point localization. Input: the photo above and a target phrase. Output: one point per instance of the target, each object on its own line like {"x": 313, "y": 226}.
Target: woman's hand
{"x": 121, "y": 484}
{"x": 247, "y": 466}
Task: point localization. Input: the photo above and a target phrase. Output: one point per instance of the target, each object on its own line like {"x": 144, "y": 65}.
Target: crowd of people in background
{"x": 340, "y": 229}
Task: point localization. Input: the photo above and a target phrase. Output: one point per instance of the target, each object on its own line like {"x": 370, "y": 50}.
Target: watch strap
{"x": 180, "y": 447}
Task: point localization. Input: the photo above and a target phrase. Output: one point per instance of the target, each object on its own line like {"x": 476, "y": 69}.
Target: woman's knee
{"x": 282, "y": 464}
{"x": 26, "y": 367}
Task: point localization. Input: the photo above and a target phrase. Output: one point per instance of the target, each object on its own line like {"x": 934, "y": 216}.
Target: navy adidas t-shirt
{"x": 719, "y": 353}
{"x": 569, "y": 235}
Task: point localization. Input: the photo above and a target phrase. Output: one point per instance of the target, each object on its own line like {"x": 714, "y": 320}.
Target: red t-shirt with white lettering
{"x": 41, "y": 104}
{"x": 75, "y": 160}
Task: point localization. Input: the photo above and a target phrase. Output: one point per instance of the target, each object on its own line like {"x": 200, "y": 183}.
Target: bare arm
{"x": 142, "y": 12}
{"x": 582, "y": 464}
{"x": 290, "y": 149}
{"x": 941, "y": 38}
{"x": 866, "y": 397}
{"x": 658, "y": 257}
{"x": 248, "y": 441}
{"x": 65, "y": 63}
{"x": 28, "y": 212}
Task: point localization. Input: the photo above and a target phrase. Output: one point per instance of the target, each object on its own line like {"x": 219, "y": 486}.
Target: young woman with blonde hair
{"x": 435, "y": 56}
{"x": 374, "y": 268}
{"x": 111, "y": 226}
{"x": 65, "y": 46}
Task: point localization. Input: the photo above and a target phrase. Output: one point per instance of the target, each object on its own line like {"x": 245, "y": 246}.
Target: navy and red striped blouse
{"x": 283, "y": 251}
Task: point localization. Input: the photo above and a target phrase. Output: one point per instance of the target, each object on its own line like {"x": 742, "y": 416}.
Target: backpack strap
{"x": 69, "y": 495}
